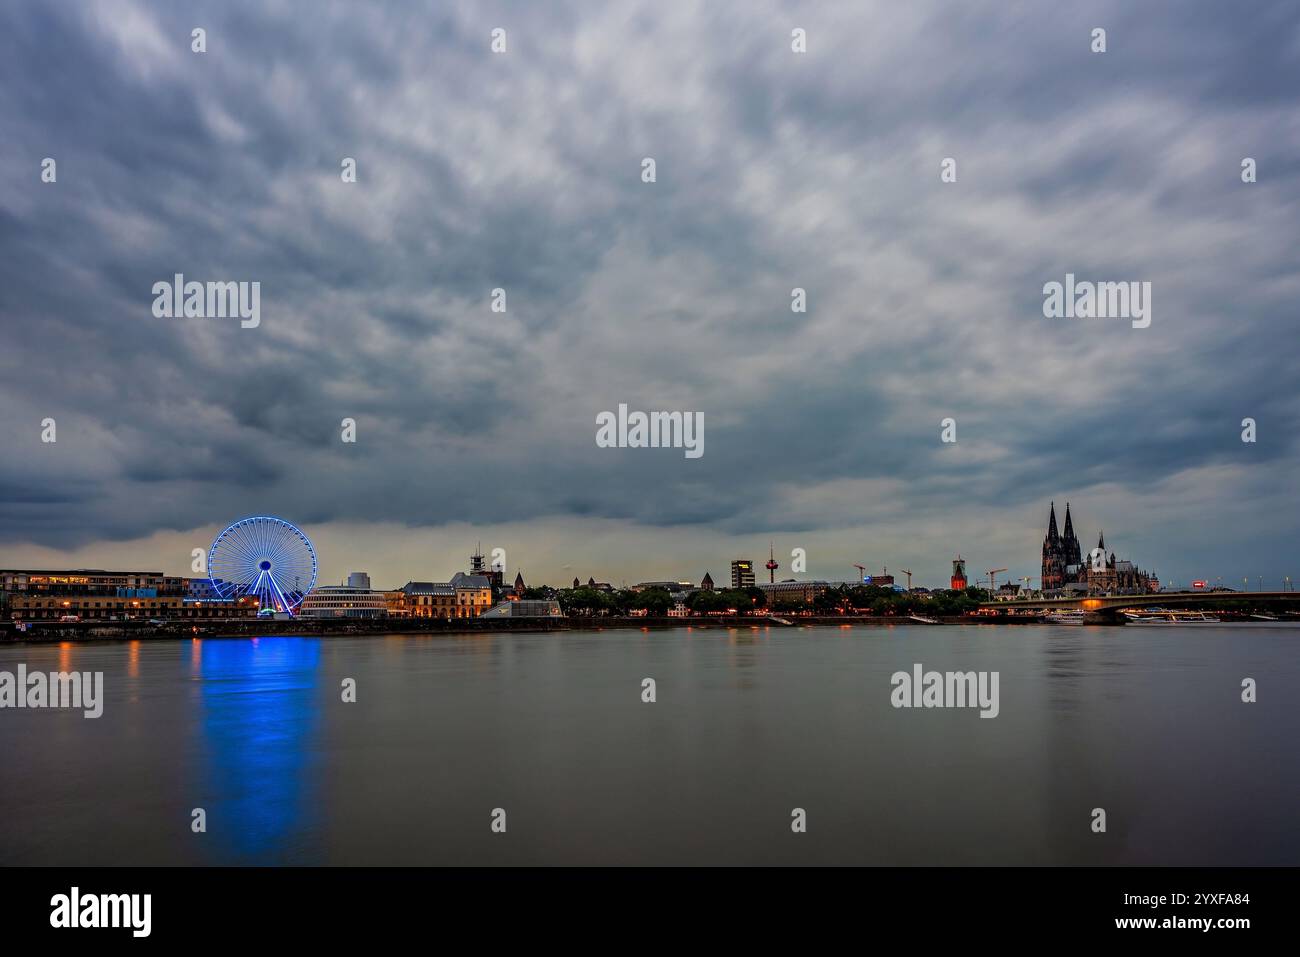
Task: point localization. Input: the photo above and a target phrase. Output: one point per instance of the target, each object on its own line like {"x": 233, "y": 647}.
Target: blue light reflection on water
{"x": 260, "y": 722}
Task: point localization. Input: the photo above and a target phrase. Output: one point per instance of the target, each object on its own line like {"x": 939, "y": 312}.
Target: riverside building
{"x": 465, "y": 596}
{"x": 96, "y": 594}
{"x": 91, "y": 581}
{"x": 525, "y": 608}
{"x": 793, "y": 591}
{"x": 343, "y": 601}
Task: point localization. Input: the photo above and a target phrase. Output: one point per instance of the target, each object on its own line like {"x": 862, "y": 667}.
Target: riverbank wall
{"x": 329, "y": 627}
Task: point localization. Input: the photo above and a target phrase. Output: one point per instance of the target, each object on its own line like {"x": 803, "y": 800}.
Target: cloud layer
{"x": 775, "y": 170}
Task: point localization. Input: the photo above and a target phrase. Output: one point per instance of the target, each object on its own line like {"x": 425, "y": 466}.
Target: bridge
{"x": 1104, "y": 608}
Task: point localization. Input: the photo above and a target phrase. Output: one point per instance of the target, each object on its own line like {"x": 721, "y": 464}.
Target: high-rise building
{"x": 958, "y": 581}
{"x": 742, "y": 573}
{"x": 359, "y": 580}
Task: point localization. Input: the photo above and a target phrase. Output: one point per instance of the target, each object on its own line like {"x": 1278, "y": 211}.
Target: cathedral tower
{"x": 1070, "y": 550}
{"x": 1053, "y": 572}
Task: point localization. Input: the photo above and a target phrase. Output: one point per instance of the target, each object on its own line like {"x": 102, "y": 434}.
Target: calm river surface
{"x": 1147, "y": 723}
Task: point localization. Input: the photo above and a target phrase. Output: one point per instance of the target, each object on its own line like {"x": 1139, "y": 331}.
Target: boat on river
{"x": 1064, "y": 618}
{"x": 1165, "y": 616}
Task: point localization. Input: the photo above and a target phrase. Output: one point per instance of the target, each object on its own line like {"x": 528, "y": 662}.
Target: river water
{"x": 1147, "y": 724}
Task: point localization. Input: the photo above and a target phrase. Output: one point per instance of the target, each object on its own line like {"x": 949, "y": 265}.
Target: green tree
{"x": 622, "y": 601}
{"x": 655, "y": 601}
{"x": 703, "y": 602}
{"x": 584, "y": 602}
{"x": 832, "y": 600}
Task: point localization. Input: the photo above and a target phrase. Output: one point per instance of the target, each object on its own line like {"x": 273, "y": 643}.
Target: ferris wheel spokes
{"x": 263, "y": 557}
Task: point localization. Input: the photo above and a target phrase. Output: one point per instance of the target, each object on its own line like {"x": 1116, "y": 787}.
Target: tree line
{"x": 585, "y": 601}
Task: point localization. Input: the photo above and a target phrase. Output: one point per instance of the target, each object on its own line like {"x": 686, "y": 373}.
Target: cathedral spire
{"x": 1101, "y": 542}
{"x": 1053, "y": 555}
{"x": 1070, "y": 542}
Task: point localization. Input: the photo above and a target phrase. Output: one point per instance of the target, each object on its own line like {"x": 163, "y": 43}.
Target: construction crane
{"x": 908, "y": 573}
{"x": 992, "y": 573}
{"x": 862, "y": 573}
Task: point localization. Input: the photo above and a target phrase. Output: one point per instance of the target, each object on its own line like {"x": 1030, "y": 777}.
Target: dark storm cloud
{"x": 522, "y": 171}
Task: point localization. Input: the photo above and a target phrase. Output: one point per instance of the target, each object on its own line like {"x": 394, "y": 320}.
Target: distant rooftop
{"x": 428, "y": 588}
{"x": 458, "y": 580}
{"x": 75, "y": 571}
{"x": 462, "y": 580}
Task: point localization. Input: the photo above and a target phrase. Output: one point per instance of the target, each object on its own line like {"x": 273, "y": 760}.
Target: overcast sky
{"x": 775, "y": 170}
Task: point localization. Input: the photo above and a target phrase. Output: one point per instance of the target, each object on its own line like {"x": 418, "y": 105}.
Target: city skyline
{"x": 727, "y": 433}
{"x": 523, "y": 172}
{"x": 390, "y": 570}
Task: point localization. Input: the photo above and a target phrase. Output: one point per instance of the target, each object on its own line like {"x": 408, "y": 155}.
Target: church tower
{"x": 1053, "y": 571}
{"x": 1071, "y": 552}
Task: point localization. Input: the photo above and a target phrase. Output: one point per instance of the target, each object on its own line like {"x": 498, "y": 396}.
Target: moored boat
{"x": 1165, "y": 616}
{"x": 1065, "y": 618}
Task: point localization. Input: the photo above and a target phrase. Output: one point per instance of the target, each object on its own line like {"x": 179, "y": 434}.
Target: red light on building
{"x": 958, "y": 580}
{"x": 1198, "y": 584}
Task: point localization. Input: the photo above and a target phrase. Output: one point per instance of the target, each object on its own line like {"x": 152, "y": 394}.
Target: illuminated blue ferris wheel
{"x": 264, "y": 557}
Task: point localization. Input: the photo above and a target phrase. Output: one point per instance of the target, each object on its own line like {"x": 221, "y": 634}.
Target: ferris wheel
{"x": 264, "y": 557}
